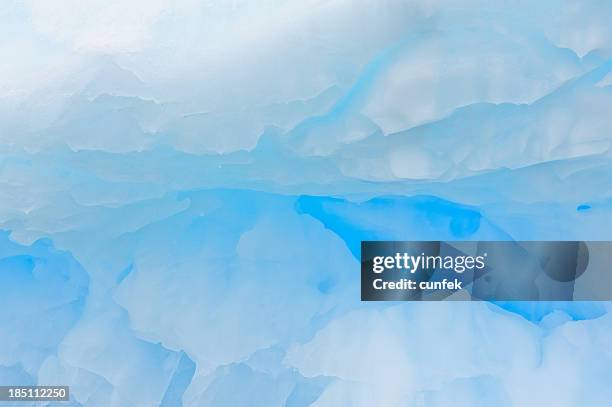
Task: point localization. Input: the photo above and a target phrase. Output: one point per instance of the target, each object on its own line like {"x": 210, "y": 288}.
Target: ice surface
{"x": 184, "y": 186}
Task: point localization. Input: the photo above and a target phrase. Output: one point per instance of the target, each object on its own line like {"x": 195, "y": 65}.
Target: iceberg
{"x": 185, "y": 185}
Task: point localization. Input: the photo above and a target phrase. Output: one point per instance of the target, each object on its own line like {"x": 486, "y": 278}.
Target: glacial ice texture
{"x": 184, "y": 186}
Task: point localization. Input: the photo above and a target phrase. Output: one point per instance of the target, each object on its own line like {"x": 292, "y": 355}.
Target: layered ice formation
{"x": 184, "y": 187}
